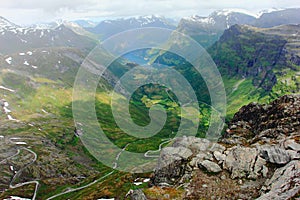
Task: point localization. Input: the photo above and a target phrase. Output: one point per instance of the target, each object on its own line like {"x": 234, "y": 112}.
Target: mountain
{"x": 262, "y": 54}
{"x": 207, "y": 30}
{"x": 14, "y": 38}
{"x": 7, "y": 25}
{"x": 41, "y": 153}
{"x": 39, "y": 144}
{"x": 108, "y": 28}
{"x": 258, "y": 158}
{"x": 80, "y": 30}
{"x": 263, "y": 62}
{"x": 85, "y": 23}
{"x": 279, "y": 17}
{"x": 256, "y": 64}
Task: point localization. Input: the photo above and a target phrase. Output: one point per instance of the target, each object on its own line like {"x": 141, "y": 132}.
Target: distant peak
{"x": 6, "y": 23}
{"x": 149, "y": 17}
{"x": 226, "y": 12}
{"x": 270, "y": 10}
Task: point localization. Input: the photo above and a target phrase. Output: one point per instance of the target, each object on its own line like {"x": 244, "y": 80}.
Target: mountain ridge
{"x": 108, "y": 28}
{"x": 207, "y": 30}
{"x": 14, "y": 38}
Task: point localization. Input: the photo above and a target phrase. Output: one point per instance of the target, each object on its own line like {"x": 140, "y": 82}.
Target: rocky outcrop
{"x": 172, "y": 165}
{"x": 260, "y": 153}
{"x": 276, "y": 122}
{"x": 240, "y": 161}
{"x": 284, "y": 184}
{"x": 275, "y": 154}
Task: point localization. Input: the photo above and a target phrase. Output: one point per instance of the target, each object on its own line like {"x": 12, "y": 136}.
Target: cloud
{"x": 30, "y": 11}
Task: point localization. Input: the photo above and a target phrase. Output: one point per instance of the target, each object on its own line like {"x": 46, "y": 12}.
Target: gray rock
{"x": 219, "y": 156}
{"x": 285, "y": 183}
{"x": 274, "y": 154}
{"x": 171, "y": 165}
{"x": 259, "y": 166}
{"x": 240, "y": 161}
{"x": 217, "y": 147}
{"x": 264, "y": 171}
{"x": 210, "y": 166}
{"x": 138, "y": 195}
{"x": 171, "y": 154}
{"x": 200, "y": 157}
{"x": 291, "y": 144}
{"x": 294, "y": 155}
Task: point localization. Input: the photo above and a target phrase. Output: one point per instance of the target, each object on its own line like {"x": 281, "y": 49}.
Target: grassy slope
{"x": 43, "y": 100}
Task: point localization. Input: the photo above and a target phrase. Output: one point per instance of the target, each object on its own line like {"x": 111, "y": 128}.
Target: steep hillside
{"x": 263, "y": 62}
{"x": 262, "y": 54}
{"x": 256, "y": 64}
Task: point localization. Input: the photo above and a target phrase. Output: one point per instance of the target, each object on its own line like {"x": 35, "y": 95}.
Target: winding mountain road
{"x": 11, "y": 140}
{"x": 158, "y": 150}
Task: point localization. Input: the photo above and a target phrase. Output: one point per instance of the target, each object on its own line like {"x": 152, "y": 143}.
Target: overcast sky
{"x": 33, "y": 11}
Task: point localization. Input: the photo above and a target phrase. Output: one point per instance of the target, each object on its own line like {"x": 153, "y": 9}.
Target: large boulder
{"x": 241, "y": 162}
{"x": 210, "y": 166}
{"x": 275, "y": 154}
{"x": 171, "y": 165}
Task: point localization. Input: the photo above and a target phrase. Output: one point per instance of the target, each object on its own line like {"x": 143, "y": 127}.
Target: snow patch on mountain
{"x": 268, "y": 11}
{"x": 26, "y": 63}
{"x": 8, "y": 60}
{"x": 227, "y": 12}
{"x": 196, "y": 18}
{"x": 7, "y": 89}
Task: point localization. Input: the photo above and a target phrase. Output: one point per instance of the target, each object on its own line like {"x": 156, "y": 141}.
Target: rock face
{"x": 285, "y": 183}
{"x": 240, "y": 161}
{"x": 275, "y": 154}
{"x": 260, "y": 153}
{"x": 260, "y": 54}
